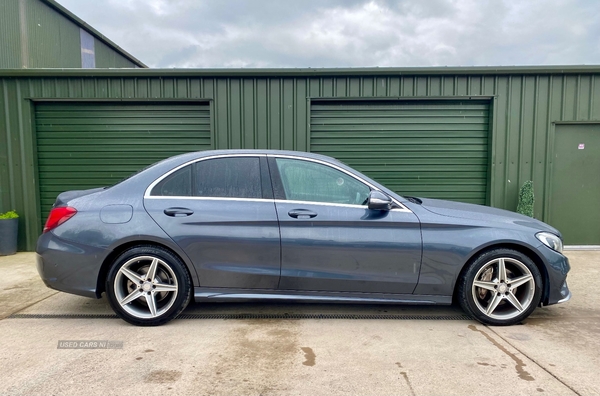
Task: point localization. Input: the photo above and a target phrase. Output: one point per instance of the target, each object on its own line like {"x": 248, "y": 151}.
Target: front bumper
{"x": 557, "y": 267}
{"x": 68, "y": 266}
{"x": 565, "y": 292}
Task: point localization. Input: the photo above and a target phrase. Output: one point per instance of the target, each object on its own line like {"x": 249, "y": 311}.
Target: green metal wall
{"x": 10, "y": 35}
{"x": 106, "y": 57}
{"x": 33, "y": 35}
{"x": 270, "y": 109}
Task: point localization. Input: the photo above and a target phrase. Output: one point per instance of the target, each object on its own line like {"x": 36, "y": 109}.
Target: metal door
{"x": 575, "y": 184}
{"x": 85, "y": 145}
{"x": 424, "y": 148}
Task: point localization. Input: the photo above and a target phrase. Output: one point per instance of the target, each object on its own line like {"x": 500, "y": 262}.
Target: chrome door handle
{"x": 178, "y": 212}
{"x": 302, "y": 214}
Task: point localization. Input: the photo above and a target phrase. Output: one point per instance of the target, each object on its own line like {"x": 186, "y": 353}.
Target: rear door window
{"x": 177, "y": 184}
{"x": 235, "y": 177}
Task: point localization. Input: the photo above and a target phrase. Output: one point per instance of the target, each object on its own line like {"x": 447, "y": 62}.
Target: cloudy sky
{"x": 348, "y": 33}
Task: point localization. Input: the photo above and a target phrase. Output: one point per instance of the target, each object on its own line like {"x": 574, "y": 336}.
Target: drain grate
{"x": 324, "y": 316}
{"x": 255, "y": 316}
{"x": 63, "y": 316}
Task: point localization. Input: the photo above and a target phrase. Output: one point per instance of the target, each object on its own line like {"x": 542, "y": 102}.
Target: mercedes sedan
{"x": 281, "y": 225}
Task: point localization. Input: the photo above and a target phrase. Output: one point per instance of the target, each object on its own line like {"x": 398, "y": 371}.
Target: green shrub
{"x": 526, "y": 199}
{"x": 11, "y": 214}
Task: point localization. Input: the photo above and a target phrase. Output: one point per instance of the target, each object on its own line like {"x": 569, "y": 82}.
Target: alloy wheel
{"x": 146, "y": 287}
{"x": 503, "y": 288}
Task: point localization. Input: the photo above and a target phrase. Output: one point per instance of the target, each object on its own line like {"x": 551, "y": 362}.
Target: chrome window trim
{"x": 371, "y": 186}
{"x": 320, "y": 203}
{"x": 364, "y": 207}
{"x": 263, "y": 200}
{"x": 210, "y": 198}
{"x": 155, "y": 182}
{"x": 147, "y": 195}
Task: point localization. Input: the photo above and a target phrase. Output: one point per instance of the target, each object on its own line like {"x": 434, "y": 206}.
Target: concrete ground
{"x": 554, "y": 352}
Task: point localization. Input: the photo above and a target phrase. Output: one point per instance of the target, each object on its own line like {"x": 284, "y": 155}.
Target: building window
{"x": 88, "y": 55}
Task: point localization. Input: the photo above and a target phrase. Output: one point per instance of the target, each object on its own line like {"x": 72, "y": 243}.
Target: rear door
{"x": 221, "y": 212}
{"x": 331, "y": 241}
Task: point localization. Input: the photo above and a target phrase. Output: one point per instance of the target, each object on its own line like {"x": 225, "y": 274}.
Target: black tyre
{"x": 500, "y": 287}
{"x": 148, "y": 286}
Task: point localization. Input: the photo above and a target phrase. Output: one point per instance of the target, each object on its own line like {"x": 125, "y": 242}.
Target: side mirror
{"x": 379, "y": 201}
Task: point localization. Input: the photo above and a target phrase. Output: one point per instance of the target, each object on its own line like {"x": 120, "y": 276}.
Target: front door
{"x": 331, "y": 241}
{"x": 220, "y": 211}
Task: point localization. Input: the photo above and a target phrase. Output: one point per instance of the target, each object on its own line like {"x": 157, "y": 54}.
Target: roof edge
{"x": 81, "y": 23}
{"x": 302, "y": 72}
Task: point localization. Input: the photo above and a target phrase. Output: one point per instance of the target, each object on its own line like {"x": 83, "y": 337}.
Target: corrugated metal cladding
{"x": 86, "y": 145}
{"x": 33, "y": 34}
{"x": 10, "y": 50}
{"x": 272, "y": 109}
{"x": 423, "y": 148}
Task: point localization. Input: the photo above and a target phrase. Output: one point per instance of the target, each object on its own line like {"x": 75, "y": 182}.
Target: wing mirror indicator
{"x": 379, "y": 201}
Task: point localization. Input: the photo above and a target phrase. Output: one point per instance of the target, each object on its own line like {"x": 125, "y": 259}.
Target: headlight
{"x": 550, "y": 240}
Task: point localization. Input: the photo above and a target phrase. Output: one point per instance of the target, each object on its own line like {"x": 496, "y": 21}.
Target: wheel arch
{"x": 528, "y": 251}
{"x": 119, "y": 249}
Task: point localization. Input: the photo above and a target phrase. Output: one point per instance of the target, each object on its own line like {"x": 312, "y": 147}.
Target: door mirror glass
{"x": 379, "y": 201}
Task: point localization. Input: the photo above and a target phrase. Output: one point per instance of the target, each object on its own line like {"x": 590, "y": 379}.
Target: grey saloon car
{"x": 282, "y": 225}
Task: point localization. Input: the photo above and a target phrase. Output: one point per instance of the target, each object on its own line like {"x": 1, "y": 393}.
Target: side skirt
{"x": 224, "y": 294}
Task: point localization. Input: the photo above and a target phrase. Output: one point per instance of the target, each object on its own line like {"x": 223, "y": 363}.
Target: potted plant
{"x": 9, "y": 226}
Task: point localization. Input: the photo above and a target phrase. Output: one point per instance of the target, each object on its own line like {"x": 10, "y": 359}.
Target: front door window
{"x": 314, "y": 182}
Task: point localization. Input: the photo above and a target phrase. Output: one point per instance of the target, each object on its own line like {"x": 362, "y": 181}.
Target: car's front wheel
{"x": 148, "y": 286}
{"x": 500, "y": 287}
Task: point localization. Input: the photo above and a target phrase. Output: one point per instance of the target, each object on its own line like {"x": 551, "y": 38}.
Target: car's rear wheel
{"x": 148, "y": 286}
{"x": 500, "y": 287}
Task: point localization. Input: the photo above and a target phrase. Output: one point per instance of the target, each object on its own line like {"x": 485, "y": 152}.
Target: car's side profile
{"x": 248, "y": 224}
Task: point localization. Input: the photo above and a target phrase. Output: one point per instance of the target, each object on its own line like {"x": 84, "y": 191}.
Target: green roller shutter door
{"x": 434, "y": 149}
{"x": 87, "y": 145}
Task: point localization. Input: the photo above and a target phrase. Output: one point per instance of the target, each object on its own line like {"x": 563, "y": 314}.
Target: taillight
{"x": 58, "y": 216}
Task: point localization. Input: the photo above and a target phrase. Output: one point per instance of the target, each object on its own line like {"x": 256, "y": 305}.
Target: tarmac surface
{"x": 256, "y": 349}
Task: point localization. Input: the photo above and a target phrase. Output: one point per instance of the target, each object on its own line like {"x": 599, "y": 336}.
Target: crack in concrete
{"x": 519, "y": 364}
{"x": 412, "y": 391}
{"x": 29, "y": 305}
{"x": 535, "y": 362}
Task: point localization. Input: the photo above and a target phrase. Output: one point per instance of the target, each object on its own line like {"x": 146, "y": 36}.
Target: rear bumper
{"x": 68, "y": 266}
